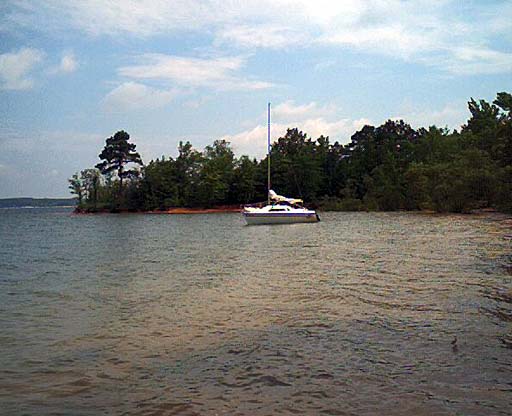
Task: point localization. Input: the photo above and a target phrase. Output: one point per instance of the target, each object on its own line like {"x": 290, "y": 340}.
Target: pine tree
{"x": 116, "y": 154}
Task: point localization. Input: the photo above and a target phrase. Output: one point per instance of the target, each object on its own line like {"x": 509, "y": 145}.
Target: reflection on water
{"x": 159, "y": 315}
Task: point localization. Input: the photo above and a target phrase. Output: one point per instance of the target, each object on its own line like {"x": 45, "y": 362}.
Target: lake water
{"x": 200, "y": 314}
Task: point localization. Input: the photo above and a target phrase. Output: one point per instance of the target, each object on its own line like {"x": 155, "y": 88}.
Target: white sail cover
{"x": 279, "y": 198}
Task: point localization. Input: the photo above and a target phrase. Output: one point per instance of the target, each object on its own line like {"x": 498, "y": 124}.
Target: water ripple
{"x": 360, "y": 314}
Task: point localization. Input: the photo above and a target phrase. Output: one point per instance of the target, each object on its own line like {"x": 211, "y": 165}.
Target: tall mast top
{"x": 268, "y": 154}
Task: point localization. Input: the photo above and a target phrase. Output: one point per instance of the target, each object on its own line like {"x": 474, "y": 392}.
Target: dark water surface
{"x": 200, "y": 314}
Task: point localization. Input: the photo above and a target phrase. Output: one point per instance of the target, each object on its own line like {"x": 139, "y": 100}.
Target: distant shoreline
{"x": 27, "y": 203}
{"x": 39, "y": 207}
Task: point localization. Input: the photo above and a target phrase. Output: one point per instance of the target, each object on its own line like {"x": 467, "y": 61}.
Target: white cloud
{"x": 452, "y": 115}
{"x": 140, "y": 18}
{"x": 392, "y": 39}
{"x": 31, "y": 156}
{"x": 261, "y": 36}
{"x": 131, "y": 96}
{"x": 196, "y": 103}
{"x": 217, "y": 73}
{"x": 67, "y": 64}
{"x": 104, "y": 17}
{"x": 289, "y": 111}
{"x": 426, "y": 32}
{"x": 252, "y": 142}
{"x": 338, "y": 130}
{"x": 477, "y": 60}
{"x": 326, "y": 64}
{"x": 15, "y": 68}
{"x": 312, "y": 119}
{"x": 315, "y": 120}
{"x": 421, "y": 31}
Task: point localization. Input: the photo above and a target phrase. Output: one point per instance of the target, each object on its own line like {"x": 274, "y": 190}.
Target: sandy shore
{"x": 197, "y": 210}
{"x": 216, "y": 210}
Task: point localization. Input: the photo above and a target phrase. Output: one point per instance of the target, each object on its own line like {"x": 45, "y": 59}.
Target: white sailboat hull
{"x": 280, "y": 209}
{"x": 254, "y": 218}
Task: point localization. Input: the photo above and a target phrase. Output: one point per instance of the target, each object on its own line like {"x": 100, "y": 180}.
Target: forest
{"x": 385, "y": 168}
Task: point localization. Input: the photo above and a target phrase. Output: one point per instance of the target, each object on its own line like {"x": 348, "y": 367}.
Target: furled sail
{"x": 279, "y": 198}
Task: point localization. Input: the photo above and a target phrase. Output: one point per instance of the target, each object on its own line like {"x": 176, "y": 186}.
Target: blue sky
{"x": 74, "y": 72}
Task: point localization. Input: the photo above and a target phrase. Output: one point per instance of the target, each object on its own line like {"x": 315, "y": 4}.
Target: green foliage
{"x": 91, "y": 179}
{"x": 331, "y": 203}
{"x": 159, "y": 184}
{"x": 418, "y": 192}
{"x": 188, "y": 167}
{"x": 297, "y": 165}
{"x": 504, "y": 191}
{"x": 467, "y": 183}
{"x": 503, "y": 147}
{"x": 245, "y": 180}
{"x": 436, "y": 145}
{"x": 76, "y": 187}
{"x": 216, "y": 174}
{"x": 116, "y": 154}
{"x": 388, "y": 167}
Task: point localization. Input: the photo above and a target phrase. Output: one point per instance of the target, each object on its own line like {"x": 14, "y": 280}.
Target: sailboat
{"x": 279, "y": 209}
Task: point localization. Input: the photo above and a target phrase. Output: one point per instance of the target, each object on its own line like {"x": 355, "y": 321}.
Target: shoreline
{"x": 170, "y": 211}
{"x": 179, "y": 211}
{"x": 238, "y": 209}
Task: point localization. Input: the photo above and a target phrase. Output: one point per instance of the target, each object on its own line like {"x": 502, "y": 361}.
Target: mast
{"x": 268, "y": 155}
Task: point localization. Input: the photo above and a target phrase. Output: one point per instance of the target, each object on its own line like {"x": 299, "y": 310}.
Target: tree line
{"x": 389, "y": 167}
